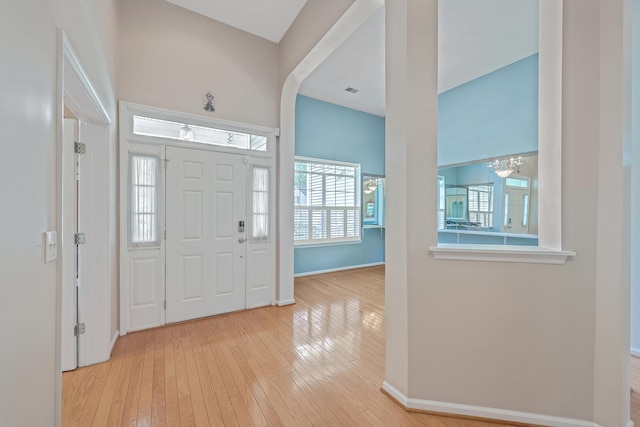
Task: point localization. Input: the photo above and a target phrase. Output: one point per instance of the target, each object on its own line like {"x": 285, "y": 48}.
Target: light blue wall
{"x": 328, "y": 131}
{"x": 494, "y": 115}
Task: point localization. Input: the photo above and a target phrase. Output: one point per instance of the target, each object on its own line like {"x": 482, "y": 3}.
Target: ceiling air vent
{"x": 352, "y": 90}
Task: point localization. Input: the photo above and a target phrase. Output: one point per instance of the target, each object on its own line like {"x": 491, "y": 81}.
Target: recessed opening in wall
{"x": 508, "y": 125}
{"x": 487, "y": 121}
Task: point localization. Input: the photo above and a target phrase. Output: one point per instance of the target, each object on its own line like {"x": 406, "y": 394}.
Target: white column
{"x": 411, "y": 143}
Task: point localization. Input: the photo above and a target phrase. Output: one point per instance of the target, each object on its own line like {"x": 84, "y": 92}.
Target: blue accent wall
{"x": 493, "y": 115}
{"x": 331, "y": 132}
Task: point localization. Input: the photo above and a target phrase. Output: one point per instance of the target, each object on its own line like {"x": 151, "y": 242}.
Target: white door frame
{"x": 75, "y": 92}
{"x": 146, "y": 265}
{"x": 69, "y": 308}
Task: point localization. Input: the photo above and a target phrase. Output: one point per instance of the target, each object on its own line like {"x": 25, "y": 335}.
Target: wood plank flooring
{"x": 319, "y": 362}
{"x": 635, "y": 390}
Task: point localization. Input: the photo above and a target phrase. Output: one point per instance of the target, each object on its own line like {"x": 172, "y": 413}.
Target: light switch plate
{"x": 50, "y": 246}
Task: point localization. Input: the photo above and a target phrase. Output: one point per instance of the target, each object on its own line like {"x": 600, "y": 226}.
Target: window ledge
{"x": 500, "y": 253}
{"x": 325, "y": 243}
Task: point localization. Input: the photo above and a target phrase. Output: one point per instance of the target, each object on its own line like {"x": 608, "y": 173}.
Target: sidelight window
{"x": 144, "y": 200}
{"x": 260, "y": 203}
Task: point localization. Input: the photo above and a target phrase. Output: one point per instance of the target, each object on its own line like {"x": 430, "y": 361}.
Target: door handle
{"x": 241, "y": 240}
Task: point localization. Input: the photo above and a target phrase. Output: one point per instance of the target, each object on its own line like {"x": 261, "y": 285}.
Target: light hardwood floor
{"x": 635, "y": 390}
{"x": 319, "y": 362}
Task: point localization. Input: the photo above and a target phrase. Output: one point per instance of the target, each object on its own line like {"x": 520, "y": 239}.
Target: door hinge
{"x": 165, "y": 234}
{"x": 79, "y": 238}
{"x": 79, "y": 148}
{"x": 165, "y": 304}
{"x": 79, "y": 329}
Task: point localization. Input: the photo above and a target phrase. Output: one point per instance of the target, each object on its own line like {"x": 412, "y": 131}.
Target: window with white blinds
{"x": 481, "y": 205}
{"x": 260, "y": 203}
{"x": 327, "y": 203}
{"x": 144, "y": 200}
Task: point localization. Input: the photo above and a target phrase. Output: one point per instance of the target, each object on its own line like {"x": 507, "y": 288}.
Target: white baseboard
{"x": 113, "y": 341}
{"x": 286, "y": 302}
{"x": 630, "y": 424}
{"x": 635, "y": 352}
{"x": 483, "y": 412}
{"x": 331, "y": 270}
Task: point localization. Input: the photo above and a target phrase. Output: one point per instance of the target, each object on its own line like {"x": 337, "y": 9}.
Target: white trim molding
{"x": 97, "y": 110}
{"x": 500, "y": 253}
{"x": 113, "y": 341}
{"x": 286, "y": 302}
{"x": 332, "y": 270}
{"x": 635, "y": 352}
{"x": 484, "y": 412}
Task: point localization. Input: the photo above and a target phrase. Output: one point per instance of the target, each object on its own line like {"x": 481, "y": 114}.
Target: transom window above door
{"x": 148, "y": 126}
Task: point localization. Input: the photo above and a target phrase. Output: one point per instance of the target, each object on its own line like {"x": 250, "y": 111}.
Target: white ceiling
{"x": 474, "y": 38}
{"x": 269, "y": 19}
{"x": 356, "y": 63}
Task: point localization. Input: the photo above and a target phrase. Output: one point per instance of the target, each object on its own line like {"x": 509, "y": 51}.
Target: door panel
{"x": 144, "y": 274}
{"x": 206, "y": 199}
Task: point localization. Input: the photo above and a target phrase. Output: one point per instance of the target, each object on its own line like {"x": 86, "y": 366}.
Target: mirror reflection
{"x": 488, "y": 121}
{"x": 373, "y": 200}
{"x": 496, "y": 198}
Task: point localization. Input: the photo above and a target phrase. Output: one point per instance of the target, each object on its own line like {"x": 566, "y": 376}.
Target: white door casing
{"x": 69, "y": 350}
{"x": 77, "y": 95}
{"x": 205, "y": 246}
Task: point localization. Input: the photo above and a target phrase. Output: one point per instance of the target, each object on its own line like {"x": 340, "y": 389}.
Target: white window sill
{"x": 326, "y": 243}
{"x": 500, "y": 253}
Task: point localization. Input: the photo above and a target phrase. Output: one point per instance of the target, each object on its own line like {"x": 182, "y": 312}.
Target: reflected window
{"x": 481, "y": 205}
{"x": 441, "y": 202}
{"x": 525, "y": 217}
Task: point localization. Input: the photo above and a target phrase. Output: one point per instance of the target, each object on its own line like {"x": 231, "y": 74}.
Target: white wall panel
{"x": 260, "y": 273}
{"x": 193, "y": 277}
{"x": 146, "y": 298}
{"x": 192, "y": 215}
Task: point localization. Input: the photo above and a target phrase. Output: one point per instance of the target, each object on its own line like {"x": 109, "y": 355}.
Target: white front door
{"x": 516, "y": 210}
{"x": 205, "y": 240}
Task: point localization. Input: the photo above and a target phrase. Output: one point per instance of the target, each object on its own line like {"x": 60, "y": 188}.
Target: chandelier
{"x": 370, "y": 185}
{"x": 504, "y": 167}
